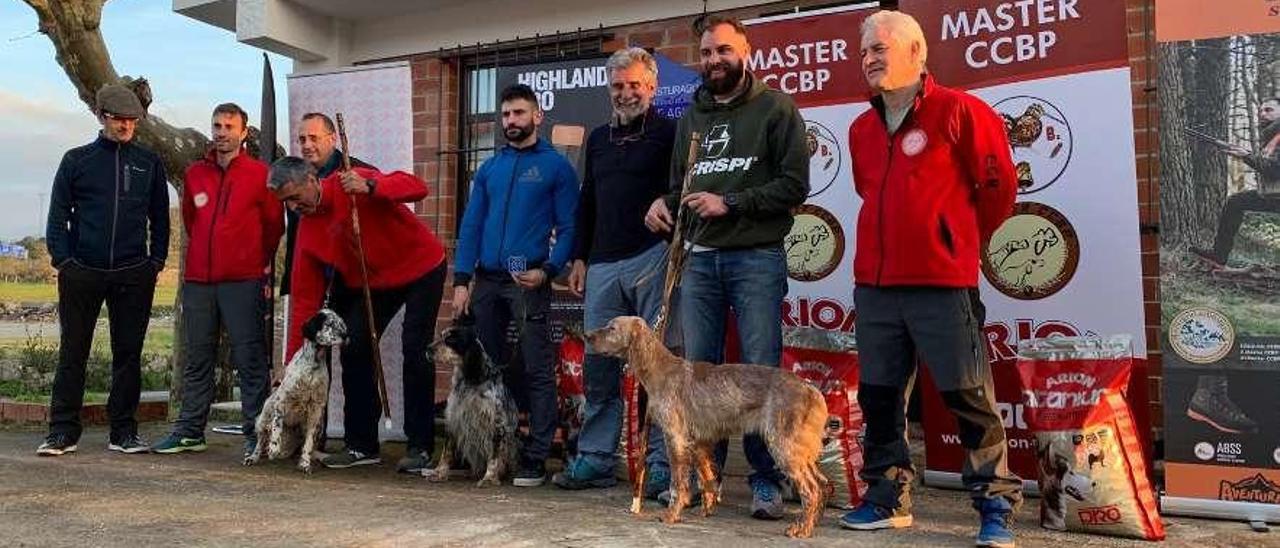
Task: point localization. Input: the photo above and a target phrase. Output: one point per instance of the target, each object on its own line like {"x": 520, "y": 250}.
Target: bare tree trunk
{"x": 1209, "y": 110}
{"x": 1178, "y": 222}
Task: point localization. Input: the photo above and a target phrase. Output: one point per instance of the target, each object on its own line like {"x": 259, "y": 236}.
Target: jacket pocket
{"x": 944, "y": 232}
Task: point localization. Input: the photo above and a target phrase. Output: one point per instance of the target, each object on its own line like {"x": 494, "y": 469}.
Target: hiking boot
{"x": 1211, "y": 405}
{"x": 56, "y": 445}
{"x": 994, "y": 531}
{"x": 349, "y": 458}
{"x": 129, "y": 444}
{"x": 766, "y": 499}
{"x": 174, "y": 443}
{"x": 580, "y": 474}
{"x": 531, "y": 474}
{"x": 871, "y": 517}
{"x": 414, "y": 461}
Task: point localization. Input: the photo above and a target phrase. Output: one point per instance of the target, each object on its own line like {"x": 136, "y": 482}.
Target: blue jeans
{"x": 626, "y": 287}
{"x": 753, "y": 283}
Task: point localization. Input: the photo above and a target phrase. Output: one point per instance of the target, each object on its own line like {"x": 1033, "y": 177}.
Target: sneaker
{"x": 174, "y": 443}
{"x": 56, "y": 445}
{"x": 766, "y": 499}
{"x": 657, "y": 482}
{"x": 414, "y": 461}
{"x": 996, "y": 515}
{"x": 129, "y": 445}
{"x": 580, "y": 474}
{"x": 531, "y": 474}
{"x": 870, "y": 517}
{"x": 349, "y": 458}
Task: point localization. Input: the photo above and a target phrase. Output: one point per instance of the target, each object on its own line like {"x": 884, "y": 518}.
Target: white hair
{"x": 902, "y": 26}
{"x": 624, "y": 58}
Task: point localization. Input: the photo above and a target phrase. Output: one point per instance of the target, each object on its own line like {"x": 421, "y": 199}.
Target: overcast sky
{"x": 191, "y": 66}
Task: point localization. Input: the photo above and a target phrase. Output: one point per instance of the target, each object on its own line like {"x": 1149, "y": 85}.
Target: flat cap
{"x": 120, "y": 101}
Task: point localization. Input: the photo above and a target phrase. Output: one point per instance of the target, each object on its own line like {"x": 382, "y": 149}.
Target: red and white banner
{"x": 1068, "y": 261}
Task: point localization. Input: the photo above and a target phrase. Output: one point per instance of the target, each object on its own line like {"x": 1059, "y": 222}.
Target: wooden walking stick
{"x": 675, "y": 267}
{"x": 364, "y": 282}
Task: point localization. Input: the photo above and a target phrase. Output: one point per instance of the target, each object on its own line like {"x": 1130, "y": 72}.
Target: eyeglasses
{"x": 629, "y": 137}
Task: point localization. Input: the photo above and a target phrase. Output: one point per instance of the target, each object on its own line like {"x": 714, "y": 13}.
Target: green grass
{"x": 159, "y": 339}
{"x": 17, "y": 292}
{"x": 14, "y": 390}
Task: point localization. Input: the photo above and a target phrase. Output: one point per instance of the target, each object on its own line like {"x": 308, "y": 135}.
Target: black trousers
{"x": 1233, "y": 216}
{"x": 128, "y": 293}
{"x": 361, "y": 406}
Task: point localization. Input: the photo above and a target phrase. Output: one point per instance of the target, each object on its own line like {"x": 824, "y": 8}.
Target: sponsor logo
{"x": 815, "y": 245}
{"x": 1034, "y": 254}
{"x": 826, "y": 156}
{"x": 1101, "y": 515}
{"x": 1040, "y": 138}
{"x": 1205, "y": 451}
{"x": 531, "y": 175}
{"x": 200, "y": 199}
{"x": 722, "y": 165}
{"x": 914, "y": 141}
{"x": 716, "y": 141}
{"x": 1275, "y": 455}
{"x": 1201, "y": 335}
{"x": 1253, "y": 489}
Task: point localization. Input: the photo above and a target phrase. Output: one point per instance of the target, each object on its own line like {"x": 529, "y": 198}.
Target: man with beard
{"x": 752, "y": 169}
{"x": 616, "y": 262}
{"x": 233, "y": 225}
{"x": 522, "y": 200}
{"x": 108, "y": 236}
{"x": 935, "y": 173}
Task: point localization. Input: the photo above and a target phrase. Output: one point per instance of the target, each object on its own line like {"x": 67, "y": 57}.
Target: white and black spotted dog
{"x": 481, "y": 414}
{"x": 291, "y": 415}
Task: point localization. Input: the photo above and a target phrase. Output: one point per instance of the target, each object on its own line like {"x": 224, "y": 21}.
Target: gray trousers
{"x": 895, "y": 325}
{"x": 236, "y": 306}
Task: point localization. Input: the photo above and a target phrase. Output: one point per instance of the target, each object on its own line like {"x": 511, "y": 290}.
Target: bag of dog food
{"x": 570, "y": 394}
{"x": 1093, "y": 475}
{"x": 829, "y": 361}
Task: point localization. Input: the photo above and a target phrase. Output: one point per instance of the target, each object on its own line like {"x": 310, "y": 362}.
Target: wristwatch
{"x": 372, "y": 184}
{"x": 732, "y": 201}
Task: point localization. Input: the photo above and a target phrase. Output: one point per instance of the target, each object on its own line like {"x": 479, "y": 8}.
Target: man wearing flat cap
{"x": 108, "y": 236}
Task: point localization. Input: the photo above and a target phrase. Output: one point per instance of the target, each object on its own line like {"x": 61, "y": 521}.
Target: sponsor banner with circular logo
{"x": 1040, "y": 138}
{"x": 815, "y": 245}
{"x": 826, "y": 156}
{"x": 1204, "y": 451}
{"x": 1201, "y": 335}
{"x": 1034, "y": 254}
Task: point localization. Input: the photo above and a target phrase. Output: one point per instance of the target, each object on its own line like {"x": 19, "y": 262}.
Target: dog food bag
{"x": 1093, "y": 476}
{"x": 829, "y": 361}
{"x": 570, "y": 393}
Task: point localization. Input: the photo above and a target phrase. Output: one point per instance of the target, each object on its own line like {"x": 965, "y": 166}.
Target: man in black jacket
{"x": 108, "y": 236}
{"x": 616, "y": 262}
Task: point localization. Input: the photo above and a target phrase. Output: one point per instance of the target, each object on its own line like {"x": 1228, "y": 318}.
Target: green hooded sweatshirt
{"x": 753, "y": 149}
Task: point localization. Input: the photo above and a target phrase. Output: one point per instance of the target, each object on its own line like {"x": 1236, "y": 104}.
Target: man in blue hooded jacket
{"x": 516, "y": 235}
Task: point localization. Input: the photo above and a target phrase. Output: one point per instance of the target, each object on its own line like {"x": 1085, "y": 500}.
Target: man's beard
{"x": 624, "y": 114}
{"x": 726, "y": 84}
{"x": 516, "y": 133}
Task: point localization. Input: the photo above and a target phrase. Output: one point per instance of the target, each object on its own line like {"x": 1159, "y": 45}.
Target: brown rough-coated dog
{"x": 699, "y": 404}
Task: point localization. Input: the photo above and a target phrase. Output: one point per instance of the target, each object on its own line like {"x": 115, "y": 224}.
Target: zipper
{"x": 213, "y": 226}
{"x": 506, "y": 207}
{"x": 115, "y": 213}
{"x": 884, "y": 183}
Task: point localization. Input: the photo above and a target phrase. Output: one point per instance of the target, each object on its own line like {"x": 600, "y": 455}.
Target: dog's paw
{"x": 250, "y": 460}
{"x": 305, "y": 468}
{"x": 488, "y": 482}
{"x": 669, "y": 518}
{"x": 434, "y": 476}
{"x": 799, "y": 530}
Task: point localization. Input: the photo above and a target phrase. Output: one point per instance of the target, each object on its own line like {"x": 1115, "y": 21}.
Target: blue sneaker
{"x": 581, "y": 474}
{"x": 766, "y": 499}
{"x": 996, "y": 515}
{"x": 870, "y": 517}
{"x": 657, "y": 480}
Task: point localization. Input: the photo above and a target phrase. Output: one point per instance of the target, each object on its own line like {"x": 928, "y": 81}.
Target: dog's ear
{"x": 475, "y": 358}
{"x": 313, "y": 327}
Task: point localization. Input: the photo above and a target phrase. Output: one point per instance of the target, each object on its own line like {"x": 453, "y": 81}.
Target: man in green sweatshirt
{"x": 751, "y": 169}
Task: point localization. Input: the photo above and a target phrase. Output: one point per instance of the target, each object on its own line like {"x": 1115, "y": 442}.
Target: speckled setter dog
{"x": 291, "y": 415}
{"x": 697, "y": 404}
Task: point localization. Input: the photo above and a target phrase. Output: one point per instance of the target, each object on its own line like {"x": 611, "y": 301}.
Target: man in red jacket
{"x": 406, "y": 268}
{"x": 934, "y": 170}
{"x": 233, "y": 225}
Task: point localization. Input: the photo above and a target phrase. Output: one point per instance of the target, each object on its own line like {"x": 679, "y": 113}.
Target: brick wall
{"x": 674, "y": 38}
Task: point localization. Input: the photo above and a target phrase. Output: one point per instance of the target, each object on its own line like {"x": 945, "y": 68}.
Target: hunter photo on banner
{"x": 1219, "y": 99}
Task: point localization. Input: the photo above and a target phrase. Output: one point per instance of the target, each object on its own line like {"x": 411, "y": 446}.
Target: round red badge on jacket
{"x": 914, "y": 141}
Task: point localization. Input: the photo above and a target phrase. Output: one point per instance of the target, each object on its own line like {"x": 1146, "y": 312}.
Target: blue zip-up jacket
{"x": 109, "y": 207}
{"x": 517, "y": 197}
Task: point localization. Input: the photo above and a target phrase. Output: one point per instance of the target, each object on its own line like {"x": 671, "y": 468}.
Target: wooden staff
{"x": 675, "y": 267}
{"x": 364, "y": 282}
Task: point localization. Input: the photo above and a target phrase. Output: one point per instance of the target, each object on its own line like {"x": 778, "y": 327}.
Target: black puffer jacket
{"x": 109, "y": 207}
